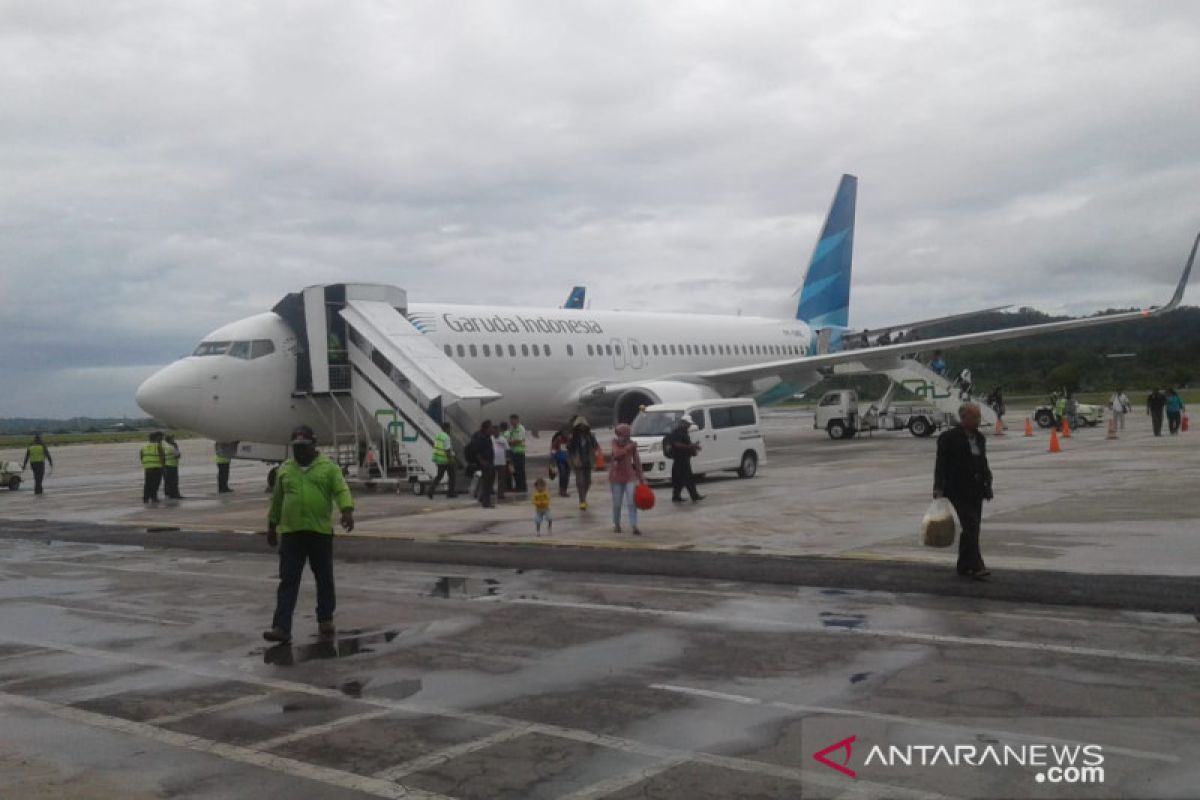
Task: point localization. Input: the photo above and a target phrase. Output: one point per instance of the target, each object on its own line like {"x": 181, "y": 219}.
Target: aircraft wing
{"x": 925, "y": 323}
{"x": 888, "y": 353}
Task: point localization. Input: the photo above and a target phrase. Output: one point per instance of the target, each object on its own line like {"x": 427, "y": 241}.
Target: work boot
{"x": 327, "y": 628}
{"x": 277, "y": 635}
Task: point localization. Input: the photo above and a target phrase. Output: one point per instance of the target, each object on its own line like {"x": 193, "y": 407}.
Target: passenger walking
{"x": 560, "y": 464}
{"x": 222, "y": 462}
{"x": 1155, "y": 404}
{"x": 1119, "y": 403}
{"x": 581, "y": 453}
{"x": 1072, "y": 410}
{"x": 995, "y": 401}
{"x": 1060, "y": 410}
{"x": 446, "y": 463}
{"x": 500, "y": 452}
{"x": 541, "y": 507}
{"x": 516, "y": 453}
{"x": 624, "y": 475}
{"x": 1175, "y": 409}
{"x": 482, "y": 453}
{"x": 37, "y": 456}
{"x": 307, "y": 487}
{"x": 961, "y": 475}
{"x": 171, "y": 455}
{"x": 678, "y": 446}
{"x": 937, "y": 363}
{"x": 152, "y": 458}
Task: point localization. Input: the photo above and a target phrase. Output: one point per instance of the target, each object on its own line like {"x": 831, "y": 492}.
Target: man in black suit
{"x": 962, "y": 476}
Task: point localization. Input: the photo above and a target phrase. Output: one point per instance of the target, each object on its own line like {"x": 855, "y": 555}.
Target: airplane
{"x": 246, "y": 381}
{"x": 576, "y": 298}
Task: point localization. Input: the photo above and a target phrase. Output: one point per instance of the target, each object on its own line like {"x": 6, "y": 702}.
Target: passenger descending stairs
{"x": 398, "y": 377}
{"x": 930, "y": 387}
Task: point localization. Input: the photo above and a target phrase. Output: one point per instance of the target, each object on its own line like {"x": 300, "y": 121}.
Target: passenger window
{"x": 608, "y": 349}
{"x": 697, "y": 416}
{"x": 474, "y": 352}
{"x": 546, "y": 350}
{"x": 487, "y": 350}
{"x": 512, "y": 350}
{"x": 462, "y": 351}
{"x": 525, "y": 350}
{"x": 570, "y": 350}
{"x": 499, "y": 351}
{"x": 261, "y": 347}
{"x": 590, "y": 350}
{"x": 449, "y": 351}
{"x": 741, "y": 416}
{"x": 537, "y": 351}
{"x": 720, "y": 418}
{"x": 618, "y": 349}
{"x": 240, "y": 350}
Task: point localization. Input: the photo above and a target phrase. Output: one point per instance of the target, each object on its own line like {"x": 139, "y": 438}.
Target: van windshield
{"x": 655, "y": 423}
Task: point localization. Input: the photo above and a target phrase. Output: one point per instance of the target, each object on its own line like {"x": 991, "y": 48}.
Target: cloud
{"x": 166, "y": 168}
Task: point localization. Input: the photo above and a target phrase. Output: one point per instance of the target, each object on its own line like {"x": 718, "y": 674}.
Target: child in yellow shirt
{"x": 541, "y": 507}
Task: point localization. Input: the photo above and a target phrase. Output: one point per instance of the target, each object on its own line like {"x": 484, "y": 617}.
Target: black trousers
{"x": 171, "y": 481}
{"x": 1156, "y": 422}
{"x": 487, "y": 482}
{"x": 294, "y": 550}
{"x": 153, "y": 481}
{"x": 39, "y": 473}
{"x": 682, "y": 478}
{"x": 970, "y": 514}
{"x": 451, "y": 473}
{"x": 517, "y": 468}
{"x": 564, "y": 475}
{"x": 222, "y": 477}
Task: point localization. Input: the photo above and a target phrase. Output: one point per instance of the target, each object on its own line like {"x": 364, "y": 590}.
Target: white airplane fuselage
{"x": 539, "y": 360}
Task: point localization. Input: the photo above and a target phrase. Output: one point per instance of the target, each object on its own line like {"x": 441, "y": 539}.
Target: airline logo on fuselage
{"x": 517, "y": 324}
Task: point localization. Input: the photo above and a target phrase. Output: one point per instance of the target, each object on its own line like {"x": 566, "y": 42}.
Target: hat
{"x": 303, "y": 434}
{"x": 580, "y": 420}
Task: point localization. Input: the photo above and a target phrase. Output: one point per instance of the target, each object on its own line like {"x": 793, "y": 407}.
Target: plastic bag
{"x": 940, "y": 525}
{"x": 643, "y": 497}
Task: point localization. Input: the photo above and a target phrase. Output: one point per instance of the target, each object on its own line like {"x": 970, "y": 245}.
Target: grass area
{"x": 22, "y": 440}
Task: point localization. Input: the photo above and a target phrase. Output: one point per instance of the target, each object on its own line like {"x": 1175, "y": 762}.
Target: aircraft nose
{"x": 172, "y": 395}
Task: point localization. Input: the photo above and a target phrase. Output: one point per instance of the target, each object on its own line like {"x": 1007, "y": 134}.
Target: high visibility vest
{"x": 37, "y": 454}
{"x": 169, "y": 454}
{"x": 441, "y": 448}
{"x": 517, "y": 433}
{"x": 150, "y": 459}
{"x": 220, "y": 459}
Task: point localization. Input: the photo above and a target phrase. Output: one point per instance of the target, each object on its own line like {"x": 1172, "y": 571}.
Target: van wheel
{"x": 418, "y": 488}
{"x": 749, "y": 466}
{"x": 837, "y": 429}
{"x": 14, "y": 483}
{"x": 1044, "y": 419}
{"x": 919, "y": 426}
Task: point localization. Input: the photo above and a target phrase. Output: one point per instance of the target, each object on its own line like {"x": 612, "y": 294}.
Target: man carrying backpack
{"x": 678, "y": 446}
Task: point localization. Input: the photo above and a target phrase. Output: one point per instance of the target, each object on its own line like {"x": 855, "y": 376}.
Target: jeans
{"x": 294, "y": 549}
{"x": 39, "y": 472}
{"x": 151, "y": 484}
{"x": 518, "y": 473}
{"x": 564, "y": 475}
{"x": 623, "y": 493}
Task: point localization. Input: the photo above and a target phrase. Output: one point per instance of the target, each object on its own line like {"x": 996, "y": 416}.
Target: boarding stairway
{"x": 385, "y": 391}
{"x": 930, "y": 387}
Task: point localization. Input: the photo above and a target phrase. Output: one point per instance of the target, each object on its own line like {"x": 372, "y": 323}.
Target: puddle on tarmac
{"x": 460, "y": 587}
{"x": 286, "y": 655}
{"x": 832, "y": 619}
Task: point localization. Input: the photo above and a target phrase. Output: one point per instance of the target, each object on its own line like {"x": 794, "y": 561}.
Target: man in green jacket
{"x": 37, "y": 456}
{"x": 306, "y": 488}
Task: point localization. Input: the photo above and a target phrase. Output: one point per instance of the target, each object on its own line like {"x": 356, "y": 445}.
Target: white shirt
{"x": 500, "y": 449}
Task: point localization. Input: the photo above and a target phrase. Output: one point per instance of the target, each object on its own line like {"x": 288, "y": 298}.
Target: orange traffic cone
{"x": 1066, "y": 428}
{"x": 1055, "y": 447}
{"x": 999, "y": 429}
{"x": 1028, "y": 427}
{"x": 1184, "y": 426}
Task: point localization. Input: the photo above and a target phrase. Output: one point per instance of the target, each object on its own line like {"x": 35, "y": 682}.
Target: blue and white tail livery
{"x": 825, "y": 295}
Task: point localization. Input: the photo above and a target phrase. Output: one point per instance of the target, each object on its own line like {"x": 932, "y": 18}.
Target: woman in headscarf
{"x": 624, "y": 475}
{"x": 581, "y": 453}
{"x": 560, "y": 465}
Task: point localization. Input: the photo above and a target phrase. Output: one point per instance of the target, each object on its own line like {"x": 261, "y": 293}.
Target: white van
{"x": 726, "y": 430}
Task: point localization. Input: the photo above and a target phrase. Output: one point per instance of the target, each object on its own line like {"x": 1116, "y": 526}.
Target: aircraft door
{"x": 618, "y": 353}
{"x": 637, "y": 354}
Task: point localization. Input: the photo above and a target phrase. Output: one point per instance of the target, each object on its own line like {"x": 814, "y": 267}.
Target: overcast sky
{"x": 169, "y": 167}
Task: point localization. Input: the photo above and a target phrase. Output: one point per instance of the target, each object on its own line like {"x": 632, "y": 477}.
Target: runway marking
{"x": 618, "y": 782}
{"x": 317, "y": 730}
{"x": 914, "y": 636}
{"x": 230, "y": 752}
{"x": 442, "y": 756}
{"x": 236, "y": 702}
{"x": 915, "y": 721}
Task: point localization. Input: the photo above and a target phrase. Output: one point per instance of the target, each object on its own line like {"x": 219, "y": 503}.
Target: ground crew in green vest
{"x": 153, "y": 458}
{"x": 516, "y": 446}
{"x": 445, "y": 461}
{"x": 37, "y": 456}
{"x": 171, "y": 456}
{"x": 222, "y": 462}
{"x": 307, "y": 487}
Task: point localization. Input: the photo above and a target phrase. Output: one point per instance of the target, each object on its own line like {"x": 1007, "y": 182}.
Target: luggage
{"x": 643, "y": 497}
{"x": 599, "y": 459}
{"x": 940, "y": 525}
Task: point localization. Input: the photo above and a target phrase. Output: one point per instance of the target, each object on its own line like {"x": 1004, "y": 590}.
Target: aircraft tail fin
{"x": 825, "y": 294}
{"x": 575, "y": 299}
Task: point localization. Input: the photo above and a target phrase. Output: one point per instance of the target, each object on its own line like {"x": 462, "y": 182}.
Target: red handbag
{"x": 643, "y": 497}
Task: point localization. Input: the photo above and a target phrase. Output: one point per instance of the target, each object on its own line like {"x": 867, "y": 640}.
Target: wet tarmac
{"x": 139, "y": 673}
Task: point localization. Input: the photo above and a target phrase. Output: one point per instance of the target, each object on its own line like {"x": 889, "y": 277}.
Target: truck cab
{"x": 839, "y": 414}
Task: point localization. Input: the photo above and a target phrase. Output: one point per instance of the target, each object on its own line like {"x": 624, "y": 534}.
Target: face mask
{"x": 304, "y": 454}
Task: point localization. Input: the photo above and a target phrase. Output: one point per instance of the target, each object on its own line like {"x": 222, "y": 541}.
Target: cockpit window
{"x": 212, "y": 349}
{"x": 240, "y": 350}
{"x": 261, "y": 347}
